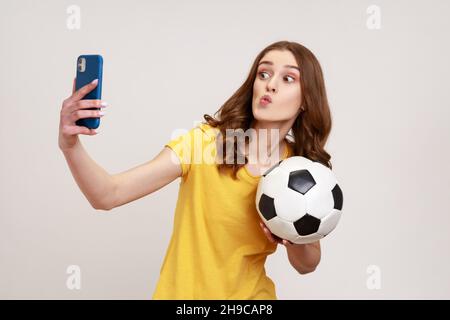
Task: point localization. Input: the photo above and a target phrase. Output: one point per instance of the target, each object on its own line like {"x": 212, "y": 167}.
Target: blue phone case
{"x": 89, "y": 68}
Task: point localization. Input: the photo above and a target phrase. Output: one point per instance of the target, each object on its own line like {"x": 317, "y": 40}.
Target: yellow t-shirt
{"x": 217, "y": 249}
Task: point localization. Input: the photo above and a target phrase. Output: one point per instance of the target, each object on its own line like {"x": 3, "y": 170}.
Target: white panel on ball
{"x": 319, "y": 201}
{"x": 289, "y": 205}
{"x": 282, "y": 229}
{"x": 295, "y": 163}
{"x": 329, "y": 223}
{"x": 280, "y": 179}
{"x": 322, "y": 176}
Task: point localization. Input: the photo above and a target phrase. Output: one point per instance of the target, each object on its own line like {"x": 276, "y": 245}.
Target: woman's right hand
{"x": 73, "y": 108}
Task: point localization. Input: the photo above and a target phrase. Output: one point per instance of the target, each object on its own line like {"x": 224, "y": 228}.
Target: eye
{"x": 262, "y": 73}
{"x": 293, "y": 79}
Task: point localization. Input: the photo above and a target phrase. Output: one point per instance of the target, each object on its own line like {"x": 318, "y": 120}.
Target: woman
{"x": 219, "y": 245}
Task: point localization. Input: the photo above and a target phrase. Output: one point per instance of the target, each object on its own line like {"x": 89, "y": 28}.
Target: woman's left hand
{"x": 273, "y": 238}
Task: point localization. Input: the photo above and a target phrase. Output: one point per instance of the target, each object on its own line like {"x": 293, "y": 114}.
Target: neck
{"x": 269, "y": 144}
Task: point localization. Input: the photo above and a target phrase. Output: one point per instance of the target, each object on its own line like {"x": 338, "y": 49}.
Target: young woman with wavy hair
{"x": 300, "y": 104}
{"x": 219, "y": 244}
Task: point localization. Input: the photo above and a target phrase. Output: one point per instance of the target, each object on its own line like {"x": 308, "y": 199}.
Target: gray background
{"x": 166, "y": 63}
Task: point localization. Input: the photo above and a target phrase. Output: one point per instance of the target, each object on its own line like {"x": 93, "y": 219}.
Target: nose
{"x": 271, "y": 85}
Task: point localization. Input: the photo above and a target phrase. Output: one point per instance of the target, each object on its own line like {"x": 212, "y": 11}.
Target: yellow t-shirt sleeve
{"x": 182, "y": 146}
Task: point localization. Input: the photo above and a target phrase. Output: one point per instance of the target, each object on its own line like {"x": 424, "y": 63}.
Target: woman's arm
{"x": 144, "y": 179}
{"x": 105, "y": 191}
{"x": 94, "y": 182}
{"x": 303, "y": 257}
{"x": 92, "y": 179}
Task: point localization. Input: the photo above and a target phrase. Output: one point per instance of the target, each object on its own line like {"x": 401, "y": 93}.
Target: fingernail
{"x": 102, "y": 113}
{"x": 94, "y": 81}
{"x": 104, "y": 104}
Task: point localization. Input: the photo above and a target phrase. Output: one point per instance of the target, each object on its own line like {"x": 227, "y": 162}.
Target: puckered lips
{"x": 265, "y": 100}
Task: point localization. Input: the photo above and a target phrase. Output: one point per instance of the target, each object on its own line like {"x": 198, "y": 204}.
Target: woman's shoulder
{"x": 208, "y": 131}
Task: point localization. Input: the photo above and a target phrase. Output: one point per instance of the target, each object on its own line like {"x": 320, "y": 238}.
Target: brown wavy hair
{"x": 312, "y": 126}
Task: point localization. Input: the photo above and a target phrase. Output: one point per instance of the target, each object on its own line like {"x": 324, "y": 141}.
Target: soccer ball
{"x": 299, "y": 200}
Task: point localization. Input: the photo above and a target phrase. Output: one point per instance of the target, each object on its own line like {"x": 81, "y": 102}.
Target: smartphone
{"x": 89, "y": 68}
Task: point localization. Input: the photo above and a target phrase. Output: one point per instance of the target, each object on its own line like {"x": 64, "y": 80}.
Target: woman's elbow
{"x": 305, "y": 269}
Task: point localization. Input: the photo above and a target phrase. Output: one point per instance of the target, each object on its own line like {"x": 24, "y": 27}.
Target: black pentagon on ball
{"x": 266, "y": 207}
{"x": 301, "y": 181}
{"x": 307, "y": 225}
{"x": 271, "y": 168}
{"x": 338, "y": 197}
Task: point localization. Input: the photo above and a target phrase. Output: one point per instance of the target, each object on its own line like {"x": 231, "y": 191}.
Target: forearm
{"x": 304, "y": 257}
{"x": 93, "y": 180}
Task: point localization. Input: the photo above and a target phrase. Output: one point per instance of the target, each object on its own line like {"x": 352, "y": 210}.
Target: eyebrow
{"x": 271, "y": 63}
